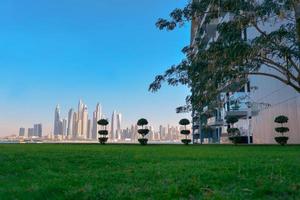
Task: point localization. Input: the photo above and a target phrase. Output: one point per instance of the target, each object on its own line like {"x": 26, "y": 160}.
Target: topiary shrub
{"x": 234, "y": 134}
{"x": 282, "y": 140}
{"x": 103, "y": 132}
{"x": 185, "y": 122}
{"x": 143, "y": 131}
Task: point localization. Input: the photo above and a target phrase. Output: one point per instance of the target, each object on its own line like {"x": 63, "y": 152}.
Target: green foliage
{"x": 103, "y": 132}
{"x": 281, "y": 140}
{"x": 233, "y": 131}
{"x": 232, "y": 120}
{"x": 143, "y": 141}
{"x": 184, "y": 122}
{"x": 281, "y": 119}
{"x": 225, "y": 64}
{"x": 235, "y": 139}
{"x": 143, "y": 132}
{"x": 185, "y": 132}
{"x": 142, "y": 122}
{"x": 282, "y": 129}
{"x": 103, "y": 140}
{"x": 103, "y": 122}
{"x": 186, "y": 141}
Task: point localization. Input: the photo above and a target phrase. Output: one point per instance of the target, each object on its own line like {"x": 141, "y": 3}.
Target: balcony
{"x": 213, "y": 121}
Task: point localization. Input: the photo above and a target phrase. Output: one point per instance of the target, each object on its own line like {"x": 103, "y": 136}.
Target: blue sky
{"x": 58, "y": 51}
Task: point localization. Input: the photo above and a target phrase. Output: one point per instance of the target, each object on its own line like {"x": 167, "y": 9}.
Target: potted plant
{"x": 282, "y": 140}
{"x": 143, "y": 131}
{"x": 233, "y": 133}
{"x": 103, "y": 132}
{"x": 185, "y": 122}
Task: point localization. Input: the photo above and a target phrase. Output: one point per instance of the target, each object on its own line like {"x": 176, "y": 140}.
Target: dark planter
{"x": 103, "y": 140}
{"x": 143, "y": 141}
{"x": 186, "y": 141}
{"x": 282, "y": 140}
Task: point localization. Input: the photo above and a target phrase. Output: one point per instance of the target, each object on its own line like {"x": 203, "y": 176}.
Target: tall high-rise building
{"x": 75, "y": 125}
{"x": 80, "y": 118}
{"x": 22, "y": 132}
{"x": 89, "y": 129}
{"x": 70, "y": 123}
{"x": 37, "y": 130}
{"x": 30, "y": 132}
{"x": 97, "y": 115}
{"x": 116, "y": 124}
{"x": 57, "y": 122}
{"x": 119, "y": 126}
{"x": 64, "y": 127}
{"x": 85, "y": 119}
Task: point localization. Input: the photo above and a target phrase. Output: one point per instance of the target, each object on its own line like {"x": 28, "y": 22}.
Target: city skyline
{"x": 52, "y": 53}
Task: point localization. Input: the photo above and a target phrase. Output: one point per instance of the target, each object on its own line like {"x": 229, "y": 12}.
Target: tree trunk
{"x": 297, "y": 16}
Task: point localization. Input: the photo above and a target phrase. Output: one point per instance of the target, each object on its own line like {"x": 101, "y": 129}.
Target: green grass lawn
{"x": 52, "y": 171}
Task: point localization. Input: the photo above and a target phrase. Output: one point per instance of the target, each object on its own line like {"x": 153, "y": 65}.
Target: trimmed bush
{"x": 282, "y": 140}
{"x": 143, "y": 141}
{"x": 235, "y": 139}
{"x": 232, "y": 120}
{"x": 143, "y": 131}
{"x": 234, "y": 134}
{"x": 103, "y": 133}
{"x": 185, "y": 132}
{"x": 102, "y": 140}
{"x": 185, "y": 122}
{"x": 186, "y": 141}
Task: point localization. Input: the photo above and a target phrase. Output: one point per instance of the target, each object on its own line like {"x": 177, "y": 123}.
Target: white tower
{"x": 97, "y": 115}
{"x": 85, "y": 120}
{"x": 70, "y": 123}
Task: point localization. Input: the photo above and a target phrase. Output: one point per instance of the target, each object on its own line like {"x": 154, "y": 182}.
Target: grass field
{"x": 52, "y": 171}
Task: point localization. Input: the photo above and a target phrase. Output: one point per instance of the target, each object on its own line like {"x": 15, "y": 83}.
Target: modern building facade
{"x": 257, "y": 110}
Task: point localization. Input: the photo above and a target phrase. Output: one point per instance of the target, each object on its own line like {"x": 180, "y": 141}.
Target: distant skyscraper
{"x": 64, "y": 127}
{"x": 80, "y": 118}
{"x": 89, "y": 129}
{"x": 57, "y": 122}
{"x": 75, "y": 125}
{"x": 113, "y": 126}
{"x": 38, "y": 130}
{"x": 22, "y": 132}
{"x": 85, "y": 119}
{"x": 70, "y": 123}
{"x": 119, "y": 126}
{"x": 30, "y": 132}
{"x": 97, "y": 115}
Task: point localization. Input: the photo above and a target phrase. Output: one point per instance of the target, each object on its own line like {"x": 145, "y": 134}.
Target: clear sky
{"x": 108, "y": 51}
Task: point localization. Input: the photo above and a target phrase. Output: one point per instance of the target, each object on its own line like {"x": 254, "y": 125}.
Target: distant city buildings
{"x": 22, "y": 132}
{"x": 79, "y": 126}
{"x": 36, "y": 131}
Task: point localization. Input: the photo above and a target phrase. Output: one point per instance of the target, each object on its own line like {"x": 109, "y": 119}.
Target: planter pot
{"x": 282, "y": 140}
{"x": 186, "y": 141}
{"x": 103, "y": 140}
{"x": 143, "y": 141}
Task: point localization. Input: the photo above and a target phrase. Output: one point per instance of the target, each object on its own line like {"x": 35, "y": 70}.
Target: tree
{"x": 103, "y": 132}
{"x": 185, "y": 122}
{"x": 282, "y": 140}
{"x": 143, "y": 131}
{"x": 225, "y": 63}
